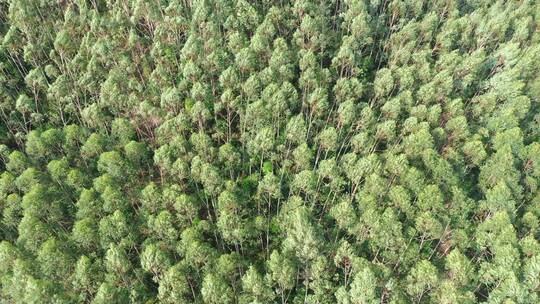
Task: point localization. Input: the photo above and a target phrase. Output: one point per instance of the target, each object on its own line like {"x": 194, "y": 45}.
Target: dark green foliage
{"x": 350, "y": 152}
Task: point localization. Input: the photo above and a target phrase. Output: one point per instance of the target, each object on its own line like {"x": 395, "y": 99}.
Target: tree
{"x": 113, "y": 164}
{"x": 231, "y": 221}
{"x": 94, "y": 146}
{"x": 214, "y": 290}
{"x": 86, "y": 277}
{"x": 422, "y": 278}
{"x": 85, "y": 233}
{"x": 174, "y": 287}
{"x": 122, "y": 131}
{"x": 117, "y": 262}
{"x": 256, "y": 287}
{"x": 303, "y": 239}
{"x": 282, "y": 271}
{"x": 364, "y": 287}
{"x": 136, "y": 153}
{"x": 55, "y": 261}
{"x": 17, "y": 162}
{"x": 155, "y": 260}
{"x": 32, "y": 232}
{"x": 384, "y": 82}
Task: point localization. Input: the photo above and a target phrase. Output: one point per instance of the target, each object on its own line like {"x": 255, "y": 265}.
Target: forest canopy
{"x": 257, "y": 151}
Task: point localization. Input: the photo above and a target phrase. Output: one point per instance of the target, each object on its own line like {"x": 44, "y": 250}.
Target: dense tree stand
{"x": 257, "y": 151}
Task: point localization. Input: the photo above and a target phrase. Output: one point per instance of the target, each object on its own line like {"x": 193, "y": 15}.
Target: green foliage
{"x": 302, "y": 151}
